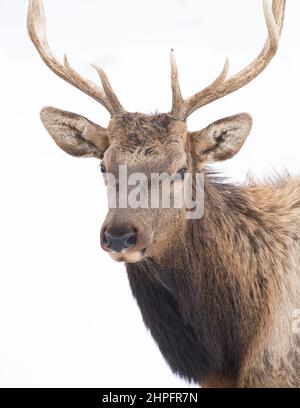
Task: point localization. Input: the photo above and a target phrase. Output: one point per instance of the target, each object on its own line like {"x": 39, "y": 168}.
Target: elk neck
{"x": 200, "y": 298}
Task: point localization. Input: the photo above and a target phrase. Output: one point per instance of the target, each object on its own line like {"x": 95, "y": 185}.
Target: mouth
{"x": 130, "y": 257}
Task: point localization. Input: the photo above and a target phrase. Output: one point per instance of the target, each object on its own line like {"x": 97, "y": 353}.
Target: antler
{"x": 36, "y": 26}
{"x": 221, "y": 87}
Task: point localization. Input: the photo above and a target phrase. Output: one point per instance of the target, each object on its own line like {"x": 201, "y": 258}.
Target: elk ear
{"x": 75, "y": 134}
{"x": 222, "y": 139}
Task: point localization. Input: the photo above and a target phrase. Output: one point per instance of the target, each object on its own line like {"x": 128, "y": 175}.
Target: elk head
{"x": 149, "y": 143}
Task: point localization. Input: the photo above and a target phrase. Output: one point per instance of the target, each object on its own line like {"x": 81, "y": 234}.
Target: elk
{"x": 217, "y": 293}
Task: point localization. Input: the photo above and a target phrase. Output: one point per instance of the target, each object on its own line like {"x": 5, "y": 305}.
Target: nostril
{"x": 106, "y": 240}
{"x": 130, "y": 239}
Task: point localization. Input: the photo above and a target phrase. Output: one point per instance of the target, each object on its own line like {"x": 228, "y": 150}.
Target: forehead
{"x": 135, "y": 130}
{"x": 137, "y": 138}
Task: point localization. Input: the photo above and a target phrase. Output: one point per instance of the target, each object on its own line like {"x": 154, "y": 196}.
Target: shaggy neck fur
{"x": 208, "y": 296}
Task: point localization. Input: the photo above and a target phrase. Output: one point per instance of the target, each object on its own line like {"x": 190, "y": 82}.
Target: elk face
{"x": 148, "y": 144}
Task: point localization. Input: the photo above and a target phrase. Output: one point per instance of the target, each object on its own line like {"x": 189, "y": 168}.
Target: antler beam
{"x": 221, "y": 87}
{"x": 36, "y": 25}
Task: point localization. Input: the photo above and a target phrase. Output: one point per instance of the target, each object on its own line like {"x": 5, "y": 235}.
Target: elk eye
{"x": 102, "y": 168}
{"x": 182, "y": 172}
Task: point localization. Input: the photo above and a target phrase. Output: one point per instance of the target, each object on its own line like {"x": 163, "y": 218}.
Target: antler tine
{"x": 117, "y": 107}
{"x": 85, "y": 85}
{"x": 221, "y": 87}
{"x": 36, "y": 25}
{"x": 176, "y": 90}
{"x": 191, "y": 104}
{"x": 180, "y": 106}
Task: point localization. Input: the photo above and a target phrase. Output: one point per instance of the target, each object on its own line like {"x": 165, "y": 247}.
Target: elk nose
{"x": 120, "y": 242}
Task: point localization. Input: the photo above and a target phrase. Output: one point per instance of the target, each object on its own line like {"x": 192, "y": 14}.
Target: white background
{"x": 67, "y": 317}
